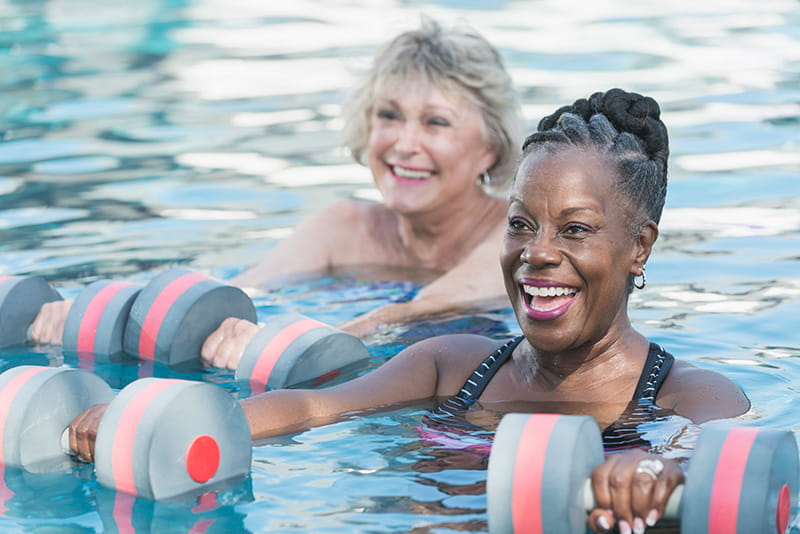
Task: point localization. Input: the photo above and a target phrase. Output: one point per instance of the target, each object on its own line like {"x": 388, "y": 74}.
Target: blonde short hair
{"x": 456, "y": 60}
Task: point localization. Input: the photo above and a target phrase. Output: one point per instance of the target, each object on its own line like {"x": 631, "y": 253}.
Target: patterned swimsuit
{"x": 622, "y": 434}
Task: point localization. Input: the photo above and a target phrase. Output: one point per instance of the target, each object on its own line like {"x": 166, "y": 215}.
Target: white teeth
{"x": 408, "y": 173}
{"x": 548, "y": 291}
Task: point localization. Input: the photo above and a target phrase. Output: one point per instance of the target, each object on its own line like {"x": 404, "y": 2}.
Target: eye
{"x": 577, "y": 230}
{"x": 516, "y": 225}
{"x": 438, "y": 121}
{"x": 387, "y": 114}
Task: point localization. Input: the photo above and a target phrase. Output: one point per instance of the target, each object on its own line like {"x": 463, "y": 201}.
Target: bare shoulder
{"x": 456, "y": 356}
{"x": 701, "y": 394}
{"x": 350, "y": 212}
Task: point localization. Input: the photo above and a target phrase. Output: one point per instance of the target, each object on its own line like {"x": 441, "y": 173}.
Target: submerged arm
{"x": 475, "y": 283}
{"x": 434, "y": 367}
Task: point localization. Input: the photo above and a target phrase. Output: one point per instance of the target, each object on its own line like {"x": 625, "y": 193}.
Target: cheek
{"x": 379, "y": 138}
{"x": 509, "y": 256}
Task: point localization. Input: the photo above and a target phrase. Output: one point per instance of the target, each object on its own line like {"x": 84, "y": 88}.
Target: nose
{"x": 408, "y": 138}
{"x": 540, "y": 251}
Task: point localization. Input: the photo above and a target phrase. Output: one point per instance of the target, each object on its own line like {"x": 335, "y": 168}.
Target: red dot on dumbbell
{"x": 202, "y": 459}
{"x": 740, "y": 480}
{"x": 175, "y": 313}
{"x": 291, "y": 349}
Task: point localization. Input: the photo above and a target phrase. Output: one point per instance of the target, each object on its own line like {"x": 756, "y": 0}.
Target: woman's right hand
{"x": 225, "y": 346}
{"x": 48, "y": 326}
{"x": 631, "y": 490}
{"x": 83, "y": 432}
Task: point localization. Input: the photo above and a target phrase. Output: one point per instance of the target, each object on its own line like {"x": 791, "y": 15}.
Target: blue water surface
{"x": 136, "y": 136}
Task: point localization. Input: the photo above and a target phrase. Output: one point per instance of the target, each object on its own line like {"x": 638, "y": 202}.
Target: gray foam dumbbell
{"x": 159, "y": 439}
{"x": 176, "y": 311}
{"x": 97, "y": 318}
{"x": 21, "y": 298}
{"x": 740, "y": 480}
{"x": 292, "y": 348}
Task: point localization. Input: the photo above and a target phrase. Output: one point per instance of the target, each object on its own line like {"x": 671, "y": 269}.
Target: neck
{"x": 615, "y": 358}
{"x": 440, "y": 238}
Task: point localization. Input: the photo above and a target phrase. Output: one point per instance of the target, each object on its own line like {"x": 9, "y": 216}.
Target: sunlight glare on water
{"x": 141, "y": 135}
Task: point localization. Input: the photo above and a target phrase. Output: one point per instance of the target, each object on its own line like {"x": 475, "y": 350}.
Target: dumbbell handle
{"x": 671, "y": 511}
{"x": 65, "y": 443}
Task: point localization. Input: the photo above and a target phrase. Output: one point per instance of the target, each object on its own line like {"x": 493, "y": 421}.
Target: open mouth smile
{"x": 547, "y": 301}
{"x": 405, "y": 173}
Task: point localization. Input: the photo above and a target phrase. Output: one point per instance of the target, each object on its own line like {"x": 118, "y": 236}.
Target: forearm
{"x": 409, "y": 377}
{"x": 416, "y": 310}
{"x": 284, "y": 411}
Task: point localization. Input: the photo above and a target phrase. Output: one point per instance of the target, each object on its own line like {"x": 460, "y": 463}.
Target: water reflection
{"x": 138, "y": 135}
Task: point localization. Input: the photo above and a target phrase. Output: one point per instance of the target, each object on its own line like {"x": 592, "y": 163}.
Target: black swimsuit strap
{"x": 480, "y": 378}
{"x": 656, "y": 369}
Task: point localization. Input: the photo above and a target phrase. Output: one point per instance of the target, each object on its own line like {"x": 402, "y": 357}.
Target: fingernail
{"x": 624, "y": 527}
{"x": 652, "y": 518}
{"x": 638, "y": 525}
{"x": 603, "y": 522}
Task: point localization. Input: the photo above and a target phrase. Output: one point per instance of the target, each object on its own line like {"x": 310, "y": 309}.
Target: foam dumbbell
{"x": 159, "y": 439}
{"x": 36, "y": 405}
{"x": 740, "y": 480}
{"x": 97, "y": 318}
{"x": 21, "y": 298}
{"x": 167, "y": 439}
{"x": 176, "y": 311}
{"x": 291, "y": 349}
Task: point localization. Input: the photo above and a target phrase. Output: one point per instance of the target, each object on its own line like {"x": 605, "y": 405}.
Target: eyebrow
{"x": 564, "y": 213}
{"x": 427, "y": 108}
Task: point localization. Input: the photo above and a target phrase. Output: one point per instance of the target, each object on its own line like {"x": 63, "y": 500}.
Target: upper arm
{"x": 427, "y": 369}
{"x": 701, "y": 394}
{"x": 309, "y": 249}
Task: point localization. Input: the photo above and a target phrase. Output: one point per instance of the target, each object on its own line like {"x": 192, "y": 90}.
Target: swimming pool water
{"x": 141, "y": 135}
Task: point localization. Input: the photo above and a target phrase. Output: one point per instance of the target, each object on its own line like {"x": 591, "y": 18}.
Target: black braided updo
{"x": 623, "y": 126}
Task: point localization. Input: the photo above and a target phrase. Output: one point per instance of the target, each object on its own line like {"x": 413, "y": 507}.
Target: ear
{"x": 488, "y": 157}
{"x": 644, "y": 245}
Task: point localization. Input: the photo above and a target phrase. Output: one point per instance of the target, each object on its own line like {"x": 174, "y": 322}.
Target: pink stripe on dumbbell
{"x": 529, "y": 468}
{"x": 723, "y": 507}
{"x": 125, "y": 431}
{"x": 272, "y": 352}
{"x": 159, "y": 308}
{"x": 6, "y": 494}
{"x": 7, "y": 396}
{"x": 87, "y": 332}
{"x": 123, "y": 513}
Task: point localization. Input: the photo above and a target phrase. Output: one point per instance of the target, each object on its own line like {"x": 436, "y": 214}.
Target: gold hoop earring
{"x": 644, "y": 280}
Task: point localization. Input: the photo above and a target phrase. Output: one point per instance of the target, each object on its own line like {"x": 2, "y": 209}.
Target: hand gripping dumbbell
{"x": 740, "y": 480}
{"x": 176, "y": 311}
{"x": 159, "y": 439}
{"x": 21, "y": 298}
{"x": 291, "y": 349}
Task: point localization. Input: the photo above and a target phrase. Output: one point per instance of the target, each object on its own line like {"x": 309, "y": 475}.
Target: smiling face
{"x": 568, "y": 250}
{"x": 426, "y": 148}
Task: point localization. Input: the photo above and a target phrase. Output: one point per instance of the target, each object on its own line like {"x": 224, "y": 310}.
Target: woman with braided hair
{"x": 582, "y": 221}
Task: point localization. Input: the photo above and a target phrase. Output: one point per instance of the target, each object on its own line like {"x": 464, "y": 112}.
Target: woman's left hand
{"x": 631, "y": 490}
{"x": 225, "y": 346}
